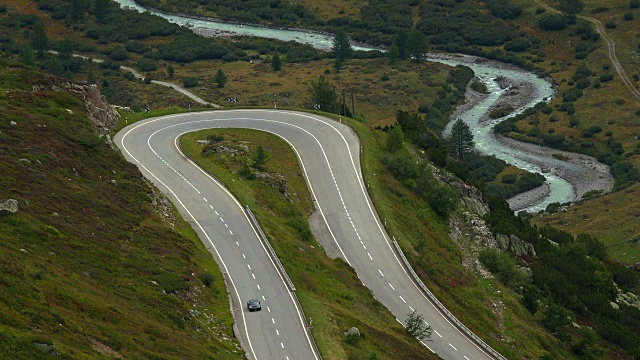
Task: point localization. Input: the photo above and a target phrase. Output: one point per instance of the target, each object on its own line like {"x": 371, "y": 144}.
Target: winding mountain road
{"x": 328, "y": 153}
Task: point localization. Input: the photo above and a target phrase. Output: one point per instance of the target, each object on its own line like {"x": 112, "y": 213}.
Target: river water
{"x": 560, "y": 189}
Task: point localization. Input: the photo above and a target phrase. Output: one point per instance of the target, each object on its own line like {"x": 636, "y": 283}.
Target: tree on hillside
{"x": 395, "y": 140}
{"x": 416, "y": 326}
{"x": 26, "y": 57}
{"x": 571, "y": 7}
{"x": 260, "y": 159}
{"x": 461, "y": 139}
{"x": 65, "y": 49}
{"x": 418, "y": 45}
{"x": 78, "y": 9}
{"x": 393, "y": 54}
{"x": 220, "y": 79}
{"x": 100, "y": 10}
{"x": 321, "y": 95}
{"x": 341, "y": 48}
{"x": 39, "y": 38}
{"x": 276, "y": 62}
{"x": 170, "y": 71}
{"x": 402, "y": 43}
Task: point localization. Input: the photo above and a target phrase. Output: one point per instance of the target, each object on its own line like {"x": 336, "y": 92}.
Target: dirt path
{"x": 139, "y": 76}
{"x": 611, "y": 46}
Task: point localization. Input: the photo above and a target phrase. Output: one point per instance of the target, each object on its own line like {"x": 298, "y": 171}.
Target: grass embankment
{"x": 329, "y": 290}
{"x": 424, "y": 237}
{"x": 86, "y": 263}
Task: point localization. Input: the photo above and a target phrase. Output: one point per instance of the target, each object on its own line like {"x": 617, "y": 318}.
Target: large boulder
{"x": 515, "y": 245}
{"x": 353, "y": 331}
{"x": 9, "y": 205}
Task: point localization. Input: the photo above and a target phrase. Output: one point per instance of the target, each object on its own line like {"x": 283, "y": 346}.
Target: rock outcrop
{"x": 515, "y": 245}
{"x": 102, "y": 115}
{"x": 9, "y": 205}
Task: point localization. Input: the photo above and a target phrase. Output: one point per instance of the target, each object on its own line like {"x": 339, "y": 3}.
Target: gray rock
{"x": 10, "y": 205}
{"x": 25, "y": 161}
{"x": 14, "y": 123}
{"x": 114, "y": 182}
{"x": 503, "y": 241}
{"x": 46, "y": 348}
{"x": 353, "y": 330}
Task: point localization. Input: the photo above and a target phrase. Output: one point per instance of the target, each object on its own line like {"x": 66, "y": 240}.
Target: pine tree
{"x": 100, "y": 10}
{"x": 395, "y": 140}
{"x": 276, "y": 62}
{"x": 39, "y": 38}
{"x": 341, "y": 48}
{"x": 402, "y": 43}
{"x": 461, "y": 140}
{"x": 321, "y": 94}
{"x": 393, "y": 54}
{"x": 27, "y": 57}
{"x": 220, "y": 79}
{"x": 417, "y": 43}
{"x": 170, "y": 71}
{"x": 65, "y": 48}
{"x": 416, "y": 326}
{"x": 260, "y": 159}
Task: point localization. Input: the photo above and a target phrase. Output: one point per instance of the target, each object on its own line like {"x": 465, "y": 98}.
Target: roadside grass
{"x": 424, "y": 240}
{"x": 614, "y": 219}
{"x": 86, "y": 264}
{"x": 437, "y": 260}
{"x": 329, "y": 290}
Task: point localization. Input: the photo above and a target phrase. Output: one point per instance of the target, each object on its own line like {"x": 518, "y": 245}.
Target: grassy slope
{"x": 425, "y": 241}
{"x": 329, "y": 290}
{"x": 83, "y": 277}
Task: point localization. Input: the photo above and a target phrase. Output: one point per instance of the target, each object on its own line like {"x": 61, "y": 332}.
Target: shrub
{"x": 190, "y": 82}
{"x": 610, "y": 24}
{"x": 145, "y": 65}
{"x": 596, "y": 84}
{"x": 147, "y": 80}
{"x": 552, "y": 22}
{"x": 628, "y": 16}
{"x": 384, "y": 77}
{"x": 583, "y": 83}
{"x": 634, "y": 4}
{"x": 479, "y": 86}
{"x": 606, "y": 77}
{"x": 129, "y": 76}
{"x": 517, "y": 45}
{"x": 207, "y": 279}
{"x": 595, "y": 129}
{"x": 509, "y": 178}
{"x": 571, "y": 94}
{"x": 119, "y": 54}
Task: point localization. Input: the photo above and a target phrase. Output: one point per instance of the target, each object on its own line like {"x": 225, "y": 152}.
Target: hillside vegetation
{"x": 88, "y": 269}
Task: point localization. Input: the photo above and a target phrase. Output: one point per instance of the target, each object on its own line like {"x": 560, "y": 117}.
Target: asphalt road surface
{"x": 329, "y": 154}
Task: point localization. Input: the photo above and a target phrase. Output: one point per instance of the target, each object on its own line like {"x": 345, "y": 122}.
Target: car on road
{"x": 254, "y": 305}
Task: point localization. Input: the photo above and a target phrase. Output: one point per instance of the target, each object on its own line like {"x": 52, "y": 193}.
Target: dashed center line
{"x": 437, "y": 333}
{"x": 211, "y": 206}
{"x": 380, "y": 271}
{"x": 249, "y": 266}
{"x": 277, "y": 332}
{"x": 263, "y": 299}
{"x": 221, "y": 219}
{"x": 394, "y": 289}
{"x": 454, "y": 348}
{"x": 230, "y": 232}
{"x": 244, "y": 257}
{"x": 273, "y": 321}
{"x": 217, "y": 213}
{"x": 268, "y": 308}
{"x": 258, "y": 286}
{"x": 237, "y": 243}
{"x": 282, "y": 345}
{"x": 253, "y": 276}
{"x": 466, "y": 357}
{"x": 403, "y": 300}
{"x": 412, "y": 309}
{"x": 205, "y": 199}
{"x": 370, "y": 256}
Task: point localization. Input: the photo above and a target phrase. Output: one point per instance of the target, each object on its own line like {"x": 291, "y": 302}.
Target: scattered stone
{"x": 46, "y": 348}
{"x": 14, "y": 123}
{"x": 23, "y": 250}
{"x": 25, "y": 161}
{"x": 153, "y": 282}
{"x": 69, "y": 111}
{"x": 55, "y": 214}
{"x": 614, "y": 306}
{"x": 114, "y": 182}
{"x": 352, "y": 331}
{"x": 10, "y": 205}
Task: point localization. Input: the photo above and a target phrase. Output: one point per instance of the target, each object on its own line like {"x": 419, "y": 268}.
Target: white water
{"x": 560, "y": 190}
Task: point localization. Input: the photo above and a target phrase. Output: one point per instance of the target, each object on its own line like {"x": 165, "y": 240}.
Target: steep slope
{"x": 87, "y": 267}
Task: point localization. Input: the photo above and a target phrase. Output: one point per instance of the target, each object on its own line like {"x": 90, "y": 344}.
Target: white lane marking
{"x": 425, "y": 344}
{"x": 258, "y": 286}
{"x": 437, "y": 333}
{"x": 221, "y": 219}
{"x": 211, "y": 206}
{"x": 249, "y": 266}
{"x": 273, "y": 321}
{"x": 268, "y": 309}
{"x": 466, "y": 357}
{"x": 380, "y": 271}
{"x": 205, "y": 199}
{"x": 370, "y": 256}
{"x": 394, "y": 289}
{"x": 224, "y": 265}
{"x": 263, "y": 299}
{"x": 425, "y": 322}
{"x": 253, "y": 276}
{"x": 230, "y": 232}
{"x": 277, "y": 332}
{"x": 364, "y": 247}
{"x": 403, "y": 300}
{"x": 227, "y": 226}
{"x": 454, "y": 348}
{"x": 237, "y": 243}
{"x": 217, "y": 213}
{"x": 244, "y": 257}
{"x": 282, "y": 345}
{"x": 412, "y": 309}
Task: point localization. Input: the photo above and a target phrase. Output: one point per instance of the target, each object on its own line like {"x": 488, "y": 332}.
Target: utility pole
{"x": 335, "y": 101}
{"x": 344, "y": 103}
{"x": 353, "y": 106}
